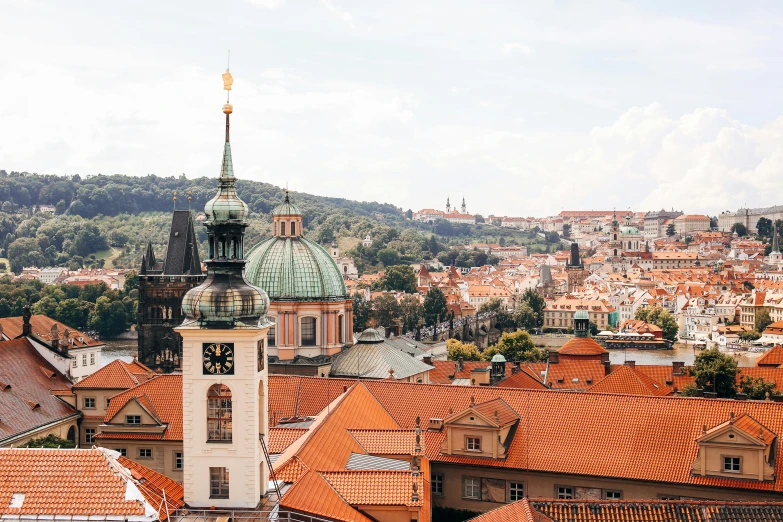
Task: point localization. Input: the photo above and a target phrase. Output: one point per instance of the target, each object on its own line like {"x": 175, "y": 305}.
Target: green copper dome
{"x": 629, "y": 230}
{"x": 286, "y": 208}
{"x": 296, "y": 269}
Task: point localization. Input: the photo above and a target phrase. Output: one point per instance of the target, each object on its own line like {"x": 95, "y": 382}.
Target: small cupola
{"x": 287, "y": 219}
{"x": 581, "y": 323}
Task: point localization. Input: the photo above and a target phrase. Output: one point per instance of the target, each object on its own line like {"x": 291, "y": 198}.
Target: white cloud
{"x": 517, "y": 48}
{"x": 268, "y": 4}
{"x": 344, "y": 15}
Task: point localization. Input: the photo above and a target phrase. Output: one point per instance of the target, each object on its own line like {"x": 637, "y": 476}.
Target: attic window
{"x": 575, "y": 379}
{"x": 17, "y": 499}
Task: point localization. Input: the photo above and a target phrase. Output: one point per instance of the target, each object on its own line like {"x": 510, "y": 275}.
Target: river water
{"x": 119, "y": 349}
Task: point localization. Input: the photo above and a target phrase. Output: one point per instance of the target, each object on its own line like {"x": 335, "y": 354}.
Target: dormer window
{"x": 473, "y": 443}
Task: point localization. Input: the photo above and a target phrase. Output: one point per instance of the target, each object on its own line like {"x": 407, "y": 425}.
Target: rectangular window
{"x": 613, "y": 494}
{"x": 74, "y": 363}
{"x": 84, "y": 359}
{"x": 145, "y": 453}
{"x": 471, "y": 487}
{"x": 308, "y": 331}
{"x": 437, "y": 483}
{"x": 178, "y": 460}
{"x": 92, "y": 359}
{"x": 516, "y": 491}
{"x": 218, "y": 482}
{"x": 732, "y": 464}
{"x": 89, "y": 435}
{"x": 134, "y": 420}
{"x": 473, "y": 443}
{"x": 270, "y": 337}
{"x": 89, "y": 403}
{"x": 107, "y": 403}
{"x": 122, "y": 451}
{"x": 564, "y": 492}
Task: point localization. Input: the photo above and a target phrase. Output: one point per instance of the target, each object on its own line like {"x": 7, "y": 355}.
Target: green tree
{"x": 659, "y": 317}
{"x": 92, "y": 292}
{"x": 131, "y": 282}
{"x": 715, "y": 371}
{"x": 740, "y": 229}
{"x": 671, "y": 229}
{"x": 764, "y": 227}
{"x": 46, "y": 306}
{"x": 74, "y": 312}
{"x": 398, "y": 278}
{"x": 411, "y": 312}
{"x": 503, "y": 319}
{"x": 362, "y": 310}
{"x": 518, "y": 346}
{"x": 465, "y": 351}
{"x": 756, "y": 388}
{"x": 50, "y": 441}
{"x": 389, "y": 257}
{"x": 24, "y": 252}
{"x": 536, "y": 302}
{"x": 749, "y": 336}
{"x": 525, "y": 316}
{"x": 762, "y": 320}
{"x": 108, "y": 318}
{"x": 435, "y": 309}
{"x": 409, "y": 214}
{"x": 566, "y": 231}
{"x": 385, "y": 310}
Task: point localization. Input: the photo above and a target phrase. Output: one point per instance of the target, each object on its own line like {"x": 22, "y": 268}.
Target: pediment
{"x": 730, "y": 434}
{"x": 134, "y": 406}
{"x": 470, "y": 417}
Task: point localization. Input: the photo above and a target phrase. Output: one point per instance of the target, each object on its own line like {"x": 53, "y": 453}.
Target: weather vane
{"x": 228, "y": 80}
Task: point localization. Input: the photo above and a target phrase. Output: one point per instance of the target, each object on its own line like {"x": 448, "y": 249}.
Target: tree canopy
{"x": 659, "y": 317}
{"x": 715, "y": 372}
{"x": 517, "y": 346}
{"x": 435, "y": 309}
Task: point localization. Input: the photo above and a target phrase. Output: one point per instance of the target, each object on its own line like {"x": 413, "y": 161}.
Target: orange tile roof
{"x": 773, "y": 357}
{"x": 749, "y": 425}
{"x": 569, "y": 374}
{"x": 312, "y": 494}
{"x": 281, "y": 438}
{"x": 41, "y": 327}
{"x": 165, "y": 495}
{"x": 315, "y": 394}
{"x": 627, "y": 380}
{"x": 654, "y": 510}
{"x": 116, "y": 375}
{"x": 497, "y": 411}
{"x": 67, "y": 482}
{"x": 164, "y": 394}
{"x": 386, "y": 442}
{"x": 375, "y": 487}
{"x": 524, "y": 379}
{"x": 582, "y": 346}
{"x": 25, "y": 385}
{"x": 519, "y": 511}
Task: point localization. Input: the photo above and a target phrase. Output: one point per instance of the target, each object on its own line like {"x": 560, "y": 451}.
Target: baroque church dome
{"x": 289, "y": 267}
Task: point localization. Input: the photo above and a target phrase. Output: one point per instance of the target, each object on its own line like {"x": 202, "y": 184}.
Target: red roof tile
{"x": 41, "y": 326}
{"x": 628, "y": 381}
{"x": 385, "y": 488}
{"x": 520, "y": 511}
{"x": 582, "y": 346}
{"x": 386, "y": 442}
{"x": 165, "y": 495}
{"x": 774, "y": 357}
{"x": 116, "y": 375}
{"x": 163, "y": 394}
{"x": 312, "y": 494}
{"x": 281, "y": 438}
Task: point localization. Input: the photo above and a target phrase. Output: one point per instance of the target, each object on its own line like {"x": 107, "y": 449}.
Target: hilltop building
{"x": 162, "y": 284}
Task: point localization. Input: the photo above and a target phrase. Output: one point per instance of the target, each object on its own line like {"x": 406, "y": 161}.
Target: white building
{"x": 49, "y": 275}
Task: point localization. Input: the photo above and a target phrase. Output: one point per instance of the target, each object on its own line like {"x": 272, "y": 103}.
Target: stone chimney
{"x": 678, "y": 367}
{"x": 607, "y": 367}
{"x": 632, "y": 364}
{"x": 55, "y": 337}
{"x": 460, "y": 364}
{"x": 27, "y": 328}
{"x": 554, "y": 358}
{"x": 427, "y": 359}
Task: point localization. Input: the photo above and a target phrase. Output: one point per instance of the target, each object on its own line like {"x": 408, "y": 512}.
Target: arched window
{"x": 340, "y": 323}
{"x": 219, "y": 413}
{"x": 282, "y": 228}
{"x": 72, "y": 434}
{"x": 275, "y": 227}
{"x": 293, "y": 228}
{"x": 308, "y": 331}
{"x": 270, "y": 337}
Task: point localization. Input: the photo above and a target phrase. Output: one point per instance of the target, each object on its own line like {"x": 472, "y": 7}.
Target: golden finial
{"x": 228, "y": 81}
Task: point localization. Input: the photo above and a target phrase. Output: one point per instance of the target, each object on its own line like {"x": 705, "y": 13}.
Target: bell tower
{"x": 224, "y": 374}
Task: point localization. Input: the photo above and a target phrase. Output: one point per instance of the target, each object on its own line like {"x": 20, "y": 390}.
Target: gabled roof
{"x": 377, "y": 487}
{"x": 524, "y": 379}
{"x": 748, "y": 425}
{"x": 165, "y": 495}
{"x": 773, "y": 357}
{"x": 386, "y": 442}
{"x": 163, "y": 394}
{"x": 313, "y": 494}
{"x": 117, "y": 375}
{"x": 281, "y": 438}
{"x": 581, "y": 346}
{"x": 26, "y": 398}
{"x": 627, "y": 380}
{"x": 519, "y": 511}
{"x": 497, "y": 411}
{"x": 41, "y": 326}
{"x": 376, "y": 360}
{"x": 79, "y": 482}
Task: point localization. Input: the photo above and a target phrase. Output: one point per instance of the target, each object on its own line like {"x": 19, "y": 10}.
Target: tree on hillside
{"x": 740, "y": 229}
{"x": 671, "y": 229}
{"x": 762, "y": 320}
{"x": 398, "y": 278}
{"x": 764, "y": 227}
{"x": 465, "y": 351}
{"x": 385, "y": 310}
{"x": 715, "y": 371}
{"x": 756, "y": 388}
{"x": 518, "y": 346}
{"x": 409, "y": 214}
{"x": 435, "y": 309}
{"x": 362, "y": 310}
{"x": 661, "y": 318}
{"x": 25, "y": 252}
{"x": 389, "y": 257}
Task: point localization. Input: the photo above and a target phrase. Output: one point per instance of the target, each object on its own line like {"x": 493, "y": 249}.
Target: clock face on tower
{"x": 219, "y": 358}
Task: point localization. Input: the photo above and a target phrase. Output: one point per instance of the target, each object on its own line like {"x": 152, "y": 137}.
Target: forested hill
{"x": 117, "y": 194}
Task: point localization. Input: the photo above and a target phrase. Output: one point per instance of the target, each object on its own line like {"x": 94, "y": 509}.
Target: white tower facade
{"x": 224, "y": 374}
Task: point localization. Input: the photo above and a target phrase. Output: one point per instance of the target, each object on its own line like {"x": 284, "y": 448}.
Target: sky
{"x": 524, "y": 108}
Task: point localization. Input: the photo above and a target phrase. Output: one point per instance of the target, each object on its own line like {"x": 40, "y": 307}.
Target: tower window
{"x": 275, "y": 227}
{"x": 308, "y": 331}
{"x": 282, "y": 228}
{"x": 219, "y": 413}
{"x": 218, "y": 482}
{"x": 340, "y": 328}
{"x": 293, "y": 228}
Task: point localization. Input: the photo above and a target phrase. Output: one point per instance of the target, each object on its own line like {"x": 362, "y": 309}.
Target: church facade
{"x": 162, "y": 284}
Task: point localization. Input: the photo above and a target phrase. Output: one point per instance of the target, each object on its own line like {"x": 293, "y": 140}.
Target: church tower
{"x": 575, "y": 270}
{"x": 464, "y": 208}
{"x": 615, "y": 242}
{"x": 224, "y": 374}
{"x": 448, "y": 205}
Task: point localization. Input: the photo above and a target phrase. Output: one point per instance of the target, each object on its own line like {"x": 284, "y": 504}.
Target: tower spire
{"x": 775, "y": 246}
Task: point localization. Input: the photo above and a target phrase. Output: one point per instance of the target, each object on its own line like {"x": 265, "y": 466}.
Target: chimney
{"x": 678, "y": 368}
{"x": 460, "y": 364}
{"x": 55, "y": 338}
{"x": 607, "y": 367}
{"x": 605, "y": 357}
{"x": 554, "y": 358}
{"x": 632, "y": 364}
{"x": 514, "y": 370}
{"x": 27, "y": 329}
{"x": 427, "y": 359}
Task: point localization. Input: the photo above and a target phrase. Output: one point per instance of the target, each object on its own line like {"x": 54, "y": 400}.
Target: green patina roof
{"x": 581, "y": 314}
{"x": 286, "y": 208}
{"x": 226, "y": 205}
{"x": 629, "y": 230}
{"x": 294, "y": 268}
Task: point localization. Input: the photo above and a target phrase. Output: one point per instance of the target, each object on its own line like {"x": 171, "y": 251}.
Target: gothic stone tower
{"x": 162, "y": 284}
{"x": 224, "y": 374}
{"x": 575, "y": 270}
